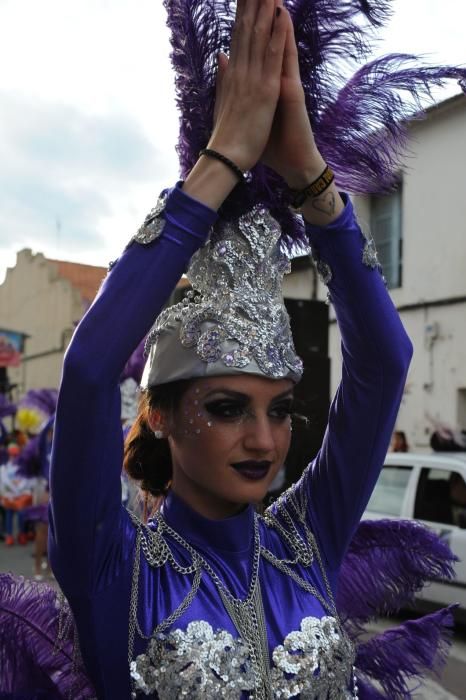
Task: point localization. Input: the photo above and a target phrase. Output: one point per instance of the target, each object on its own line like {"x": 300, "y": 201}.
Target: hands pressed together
{"x": 260, "y": 112}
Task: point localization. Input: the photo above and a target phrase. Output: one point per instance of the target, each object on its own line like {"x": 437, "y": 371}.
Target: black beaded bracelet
{"x": 214, "y": 154}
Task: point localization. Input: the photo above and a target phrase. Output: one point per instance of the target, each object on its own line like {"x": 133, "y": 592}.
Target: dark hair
{"x": 146, "y": 458}
{"x": 401, "y": 435}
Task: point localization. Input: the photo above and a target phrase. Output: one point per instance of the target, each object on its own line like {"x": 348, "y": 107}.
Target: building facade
{"x": 420, "y": 233}
{"x": 45, "y": 299}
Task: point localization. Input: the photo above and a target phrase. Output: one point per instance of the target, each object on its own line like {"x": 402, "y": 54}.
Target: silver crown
{"x": 234, "y": 318}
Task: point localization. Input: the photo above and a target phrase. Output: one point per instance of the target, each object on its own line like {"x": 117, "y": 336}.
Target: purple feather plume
{"x": 367, "y": 690}
{"x": 135, "y": 365}
{"x": 369, "y": 109}
{"x": 29, "y": 462}
{"x": 3, "y": 444}
{"x": 370, "y": 116}
{"x": 404, "y": 653}
{"x": 34, "y": 457}
{"x": 32, "y": 660}
{"x": 403, "y": 553}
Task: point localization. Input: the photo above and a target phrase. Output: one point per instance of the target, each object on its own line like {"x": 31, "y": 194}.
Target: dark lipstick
{"x": 252, "y": 469}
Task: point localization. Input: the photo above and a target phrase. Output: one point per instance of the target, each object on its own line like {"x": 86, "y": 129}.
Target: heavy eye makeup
{"x": 226, "y": 409}
{"x": 230, "y": 409}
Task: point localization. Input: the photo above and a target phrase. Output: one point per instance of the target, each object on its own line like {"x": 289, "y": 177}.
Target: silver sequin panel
{"x": 236, "y": 314}
{"x": 314, "y": 663}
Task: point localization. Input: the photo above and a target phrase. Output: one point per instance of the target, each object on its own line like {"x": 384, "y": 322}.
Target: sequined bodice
{"x": 200, "y": 659}
{"x": 313, "y": 662}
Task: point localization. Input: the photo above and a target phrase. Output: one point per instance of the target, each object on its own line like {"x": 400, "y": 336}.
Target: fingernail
{"x": 277, "y": 11}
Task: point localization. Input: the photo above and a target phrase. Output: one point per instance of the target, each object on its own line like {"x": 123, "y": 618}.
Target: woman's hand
{"x": 291, "y": 149}
{"x": 249, "y": 82}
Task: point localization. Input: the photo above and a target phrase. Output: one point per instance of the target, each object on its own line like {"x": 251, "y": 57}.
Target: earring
{"x": 158, "y": 434}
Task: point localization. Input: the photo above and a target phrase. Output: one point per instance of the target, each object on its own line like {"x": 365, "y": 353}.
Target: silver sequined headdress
{"x": 234, "y": 319}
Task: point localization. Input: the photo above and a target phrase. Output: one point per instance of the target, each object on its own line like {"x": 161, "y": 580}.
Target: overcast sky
{"x": 88, "y": 123}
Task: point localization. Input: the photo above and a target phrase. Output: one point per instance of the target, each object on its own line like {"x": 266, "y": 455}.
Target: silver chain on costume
{"x": 248, "y": 614}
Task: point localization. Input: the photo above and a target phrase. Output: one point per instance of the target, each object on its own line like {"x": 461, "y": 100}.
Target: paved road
{"x": 452, "y": 685}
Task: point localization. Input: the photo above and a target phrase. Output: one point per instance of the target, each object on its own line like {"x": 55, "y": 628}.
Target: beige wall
{"x": 299, "y": 285}
{"x": 35, "y": 301}
{"x": 434, "y": 269}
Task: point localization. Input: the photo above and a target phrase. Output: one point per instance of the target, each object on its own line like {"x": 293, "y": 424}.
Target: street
{"x": 451, "y": 686}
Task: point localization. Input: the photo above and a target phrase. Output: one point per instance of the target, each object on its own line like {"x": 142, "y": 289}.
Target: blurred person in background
{"x": 15, "y": 496}
{"x": 34, "y": 464}
{"x": 399, "y": 442}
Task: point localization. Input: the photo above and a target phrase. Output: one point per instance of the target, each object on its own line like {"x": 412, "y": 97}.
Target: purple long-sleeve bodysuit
{"x": 92, "y": 537}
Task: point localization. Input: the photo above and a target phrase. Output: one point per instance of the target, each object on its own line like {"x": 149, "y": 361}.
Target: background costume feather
{"x": 38, "y": 651}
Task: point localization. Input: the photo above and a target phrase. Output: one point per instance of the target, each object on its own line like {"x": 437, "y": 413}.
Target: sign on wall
{"x": 11, "y": 347}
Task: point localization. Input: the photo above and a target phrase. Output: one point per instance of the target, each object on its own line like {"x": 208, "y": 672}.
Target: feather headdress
{"x": 372, "y": 107}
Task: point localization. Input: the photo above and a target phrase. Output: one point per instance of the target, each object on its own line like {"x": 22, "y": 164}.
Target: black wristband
{"x": 214, "y": 154}
{"x": 316, "y": 188}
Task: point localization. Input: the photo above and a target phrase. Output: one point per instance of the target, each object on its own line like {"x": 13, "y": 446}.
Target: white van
{"x": 431, "y": 489}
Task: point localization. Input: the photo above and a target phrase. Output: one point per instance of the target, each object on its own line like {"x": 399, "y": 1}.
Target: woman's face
{"x": 228, "y": 439}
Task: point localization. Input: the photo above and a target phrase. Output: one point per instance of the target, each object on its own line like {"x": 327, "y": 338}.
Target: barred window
{"x": 386, "y": 230}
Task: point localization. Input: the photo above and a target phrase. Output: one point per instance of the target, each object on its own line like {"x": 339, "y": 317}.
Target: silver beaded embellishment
{"x": 202, "y": 663}
{"x": 369, "y": 254}
{"x": 196, "y": 663}
{"x": 370, "y": 258}
{"x": 323, "y": 269}
{"x": 315, "y": 661}
{"x": 153, "y": 223}
{"x": 236, "y": 313}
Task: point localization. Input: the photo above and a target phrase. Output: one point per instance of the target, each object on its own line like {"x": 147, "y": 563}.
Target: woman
{"x": 228, "y": 432}
{"x": 210, "y": 599}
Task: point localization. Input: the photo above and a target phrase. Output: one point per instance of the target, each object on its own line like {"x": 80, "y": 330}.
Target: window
{"x": 390, "y": 489}
{"x": 461, "y": 408}
{"x": 441, "y": 497}
{"x": 385, "y": 217}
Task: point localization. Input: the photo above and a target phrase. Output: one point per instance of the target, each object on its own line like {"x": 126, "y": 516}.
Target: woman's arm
{"x": 86, "y": 512}
{"x": 376, "y": 355}
{"x": 87, "y": 452}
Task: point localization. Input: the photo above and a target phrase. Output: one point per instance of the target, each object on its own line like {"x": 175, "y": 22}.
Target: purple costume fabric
{"x": 92, "y": 537}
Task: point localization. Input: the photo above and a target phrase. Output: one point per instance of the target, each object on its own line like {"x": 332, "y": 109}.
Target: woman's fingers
{"x": 242, "y": 33}
{"x": 222, "y": 65}
{"x": 273, "y": 63}
{"x": 261, "y": 34}
{"x": 290, "y": 56}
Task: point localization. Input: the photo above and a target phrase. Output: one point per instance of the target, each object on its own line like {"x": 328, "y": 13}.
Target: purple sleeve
{"x": 376, "y": 355}
{"x": 86, "y": 516}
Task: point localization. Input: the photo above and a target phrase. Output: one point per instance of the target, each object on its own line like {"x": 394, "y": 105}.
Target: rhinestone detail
{"x": 153, "y": 223}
